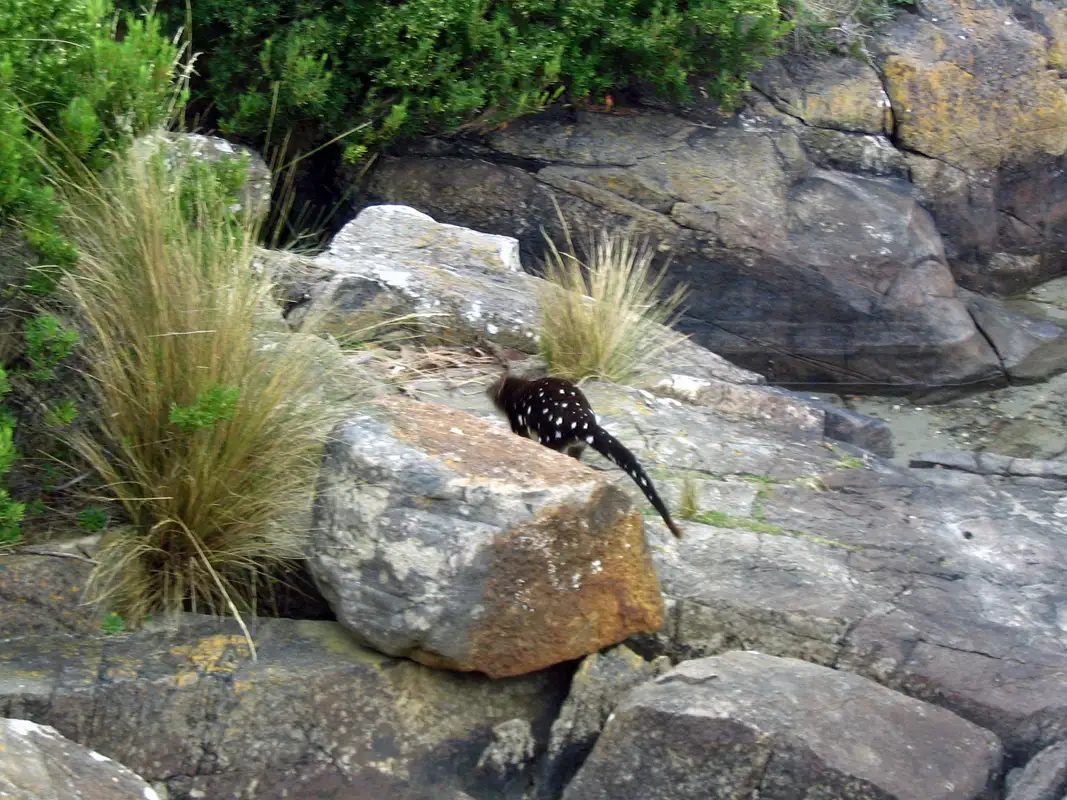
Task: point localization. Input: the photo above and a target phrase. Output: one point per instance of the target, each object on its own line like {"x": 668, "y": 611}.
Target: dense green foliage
{"x": 323, "y": 67}
{"x": 77, "y": 82}
{"x": 11, "y": 512}
{"x": 65, "y": 65}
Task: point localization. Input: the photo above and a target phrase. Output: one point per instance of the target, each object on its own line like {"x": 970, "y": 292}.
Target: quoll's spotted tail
{"x": 555, "y": 413}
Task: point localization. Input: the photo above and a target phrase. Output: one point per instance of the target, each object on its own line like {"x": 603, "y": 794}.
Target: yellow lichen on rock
{"x": 209, "y": 656}
{"x": 1056, "y": 22}
{"x": 982, "y": 101}
{"x": 855, "y": 103}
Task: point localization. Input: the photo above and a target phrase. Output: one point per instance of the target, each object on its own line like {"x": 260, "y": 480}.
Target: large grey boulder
{"x": 749, "y": 725}
{"x": 180, "y": 149}
{"x": 456, "y": 543}
{"x": 805, "y": 275}
{"x": 315, "y": 716}
{"x": 36, "y": 763}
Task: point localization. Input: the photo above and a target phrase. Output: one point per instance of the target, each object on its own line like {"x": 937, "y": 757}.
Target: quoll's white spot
{"x": 574, "y": 425}
{"x": 562, "y": 392}
{"x": 559, "y": 420}
{"x": 563, "y": 406}
{"x": 589, "y": 439}
{"x": 559, "y": 435}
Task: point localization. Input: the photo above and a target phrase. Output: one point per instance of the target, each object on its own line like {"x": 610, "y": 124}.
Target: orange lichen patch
{"x": 965, "y": 113}
{"x": 211, "y": 655}
{"x": 469, "y": 445}
{"x": 564, "y": 585}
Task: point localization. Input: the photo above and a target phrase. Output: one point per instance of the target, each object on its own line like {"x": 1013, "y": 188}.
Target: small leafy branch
{"x": 213, "y": 405}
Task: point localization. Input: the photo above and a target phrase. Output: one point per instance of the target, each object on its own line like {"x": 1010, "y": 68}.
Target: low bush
{"x": 206, "y": 437}
{"x": 323, "y": 67}
{"x": 93, "y": 79}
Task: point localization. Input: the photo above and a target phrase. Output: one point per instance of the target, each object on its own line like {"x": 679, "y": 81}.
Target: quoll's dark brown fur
{"x": 555, "y": 413}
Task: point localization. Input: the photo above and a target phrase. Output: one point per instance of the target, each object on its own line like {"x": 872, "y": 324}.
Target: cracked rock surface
{"x": 947, "y": 585}
{"x": 750, "y": 725}
{"x": 316, "y": 713}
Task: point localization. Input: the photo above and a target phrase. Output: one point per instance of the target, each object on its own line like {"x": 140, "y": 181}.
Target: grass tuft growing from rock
{"x": 207, "y": 436}
{"x": 604, "y": 316}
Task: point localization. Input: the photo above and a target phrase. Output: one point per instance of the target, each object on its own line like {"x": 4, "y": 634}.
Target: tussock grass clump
{"x": 206, "y": 436}
{"x": 605, "y": 316}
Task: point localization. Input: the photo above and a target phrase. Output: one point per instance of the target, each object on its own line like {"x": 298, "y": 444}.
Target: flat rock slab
{"x": 36, "y": 762}
{"x": 446, "y": 540}
{"x": 750, "y": 725}
{"x": 316, "y": 716}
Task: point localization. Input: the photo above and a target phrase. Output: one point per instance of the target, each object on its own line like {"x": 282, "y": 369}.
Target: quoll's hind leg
{"x": 575, "y": 450}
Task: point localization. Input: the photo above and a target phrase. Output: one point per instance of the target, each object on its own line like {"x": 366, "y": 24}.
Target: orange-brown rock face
{"x": 441, "y": 537}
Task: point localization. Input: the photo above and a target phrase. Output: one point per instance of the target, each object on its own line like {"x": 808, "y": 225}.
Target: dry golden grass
{"x": 169, "y": 307}
{"x": 604, "y": 316}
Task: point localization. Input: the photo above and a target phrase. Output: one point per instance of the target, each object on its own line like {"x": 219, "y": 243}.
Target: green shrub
{"x": 69, "y": 67}
{"x": 47, "y": 344}
{"x": 113, "y": 624}
{"x": 11, "y": 512}
{"x": 92, "y": 519}
{"x": 323, "y": 67}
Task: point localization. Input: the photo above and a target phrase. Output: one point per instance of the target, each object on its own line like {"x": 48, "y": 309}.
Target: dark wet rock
{"x": 992, "y": 464}
{"x": 1044, "y": 778}
{"x": 802, "y": 274}
{"x": 602, "y": 680}
{"x": 1029, "y": 349}
{"x": 316, "y": 714}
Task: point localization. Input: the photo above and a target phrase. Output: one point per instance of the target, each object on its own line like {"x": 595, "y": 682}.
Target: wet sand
{"x": 1021, "y": 421}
